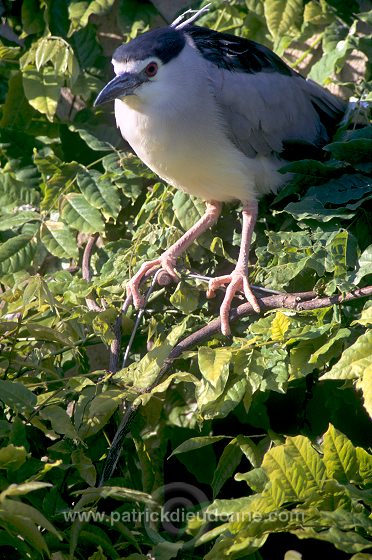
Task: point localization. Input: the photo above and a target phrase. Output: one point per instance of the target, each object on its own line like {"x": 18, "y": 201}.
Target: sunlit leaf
{"x": 99, "y": 192}
{"x": 59, "y": 239}
{"x": 43, "y": 89}
{"x": 80, "y": 215}
{"x": 354, "y": 360}
{"x": 283, "y": 16}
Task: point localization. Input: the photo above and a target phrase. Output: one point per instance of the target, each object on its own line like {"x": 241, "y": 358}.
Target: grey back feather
{"x": 263, "y": 102}
{"x": 264, "y": 110}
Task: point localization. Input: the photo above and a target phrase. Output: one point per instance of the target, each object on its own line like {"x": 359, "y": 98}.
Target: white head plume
{"x": 196, "y": 14}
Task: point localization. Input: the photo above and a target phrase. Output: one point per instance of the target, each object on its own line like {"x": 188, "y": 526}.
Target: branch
{"x": 284, "y": 301}
{"x": 303, "y": 301}
{"x": 86, "y": 271}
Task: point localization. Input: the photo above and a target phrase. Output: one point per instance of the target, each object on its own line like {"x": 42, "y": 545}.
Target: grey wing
{"x": 264, "y": 110}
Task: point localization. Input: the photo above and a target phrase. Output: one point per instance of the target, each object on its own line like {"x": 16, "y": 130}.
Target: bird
{"x": 215, "y": 115}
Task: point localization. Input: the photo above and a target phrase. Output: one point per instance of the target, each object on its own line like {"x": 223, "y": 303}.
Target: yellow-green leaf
{"x": 340, "y": 457}
{"x": 12, "y": 457}
{"x": 354, "y": 360}
{"x": 279, "y": 326}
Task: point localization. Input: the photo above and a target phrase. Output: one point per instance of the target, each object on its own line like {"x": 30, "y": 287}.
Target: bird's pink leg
{"x": 237, "y": 280}
{"x": 167, "y": 260}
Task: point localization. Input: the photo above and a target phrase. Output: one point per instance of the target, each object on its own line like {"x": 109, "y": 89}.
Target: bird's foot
{"x": 165, "y": 262}
{"x": 237, "y": 282}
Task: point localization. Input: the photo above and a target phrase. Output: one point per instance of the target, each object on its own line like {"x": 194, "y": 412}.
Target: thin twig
{"x": 86, "y": 270}
{"x": 115, "y": 345}
{"x": 297, "y": 302}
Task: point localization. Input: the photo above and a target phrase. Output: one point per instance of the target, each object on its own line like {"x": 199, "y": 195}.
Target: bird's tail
{"x": 330, "y": 108}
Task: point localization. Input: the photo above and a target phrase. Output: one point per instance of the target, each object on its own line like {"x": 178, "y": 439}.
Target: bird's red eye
{"x": 151, "y": 69}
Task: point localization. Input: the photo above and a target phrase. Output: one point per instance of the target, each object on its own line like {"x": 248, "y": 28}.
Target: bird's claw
{"x": 237, "y": 282}
{"x": 165, "y": 262}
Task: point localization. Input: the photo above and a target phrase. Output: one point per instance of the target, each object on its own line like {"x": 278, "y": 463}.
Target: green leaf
{"x": 279, "y": 326}
{"x": 366, "y": 386}
{"x": 60, "y": 421}
{"x": 21, "y": 510}
{"x": 23, "y": 489}
{"x": 17, "y": 397}
{"x": 99, "y": 192}
{"x": 43, "y": 333}
{"x": 185, "y": 298}
{"x": 16, "y": 111}
{"x": 344, "y": 189}
{"x": 330, "y": 62}
{"x": 17, "y": 254}
{"x": 16, "y": 519}
{"x": 227, "y": 465}
{"x": 15, "y": 193}
{"x": 17, "y": 220}
{"x": 348, "y": 541}
{"x": 80, "y": 215}
{"x": 32, "y": 17}
{"x": 59, "y": 53}
{"x": 295, "y": 470}
{"x": 59, "y": 240}
{"x": 116, "y": 492}
{"x": 97, "y": 135}
{"x": 268, "y": 370}
{"x": 340, "y": 457}
{"x": 250, "y": 450}
{"x": 256, "y": 479}
{"x": 354, "y": 360}
{"x": 353, "y": 151}
{"x": 283, "y": 17}
{"x": 80, "y": 12}
{"x": 84, "y": 466}
{"x": 187, "y": 209}
{"x": 12, "y": 457}
{"x": 311, "y": 169}
{"x": 98, "y": 412}
{"x": 43, "y": 89}
{"x": 327, "y": 351}
{"x": 365, "y": 265}
{"x": 196, "y": 443}
{"x": 338, "y": 192}
{"x": 214, "y": 365}
{"x": 143, "y": 373}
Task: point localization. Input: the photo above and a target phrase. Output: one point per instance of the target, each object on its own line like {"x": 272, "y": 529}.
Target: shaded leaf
{"x": 227, "y": 464}
{"x": 17, "y": 396}
{"x": 196, "y": 443}
{"x": 12, "y": 457}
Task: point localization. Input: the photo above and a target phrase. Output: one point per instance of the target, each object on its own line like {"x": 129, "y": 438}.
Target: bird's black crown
{"x": 164, "y": 43}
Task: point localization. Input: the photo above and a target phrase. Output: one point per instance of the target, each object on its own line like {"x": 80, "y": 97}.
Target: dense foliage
{"x": 266, "y": 433}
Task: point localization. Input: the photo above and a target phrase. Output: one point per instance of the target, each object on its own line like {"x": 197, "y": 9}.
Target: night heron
{"x": 215, "y": 115}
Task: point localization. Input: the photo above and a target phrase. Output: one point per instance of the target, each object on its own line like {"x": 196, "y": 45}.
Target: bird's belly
{"x": 209, "y": 167}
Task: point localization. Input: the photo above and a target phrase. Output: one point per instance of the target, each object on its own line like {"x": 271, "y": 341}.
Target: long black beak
{"x": 120, "y": 86}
